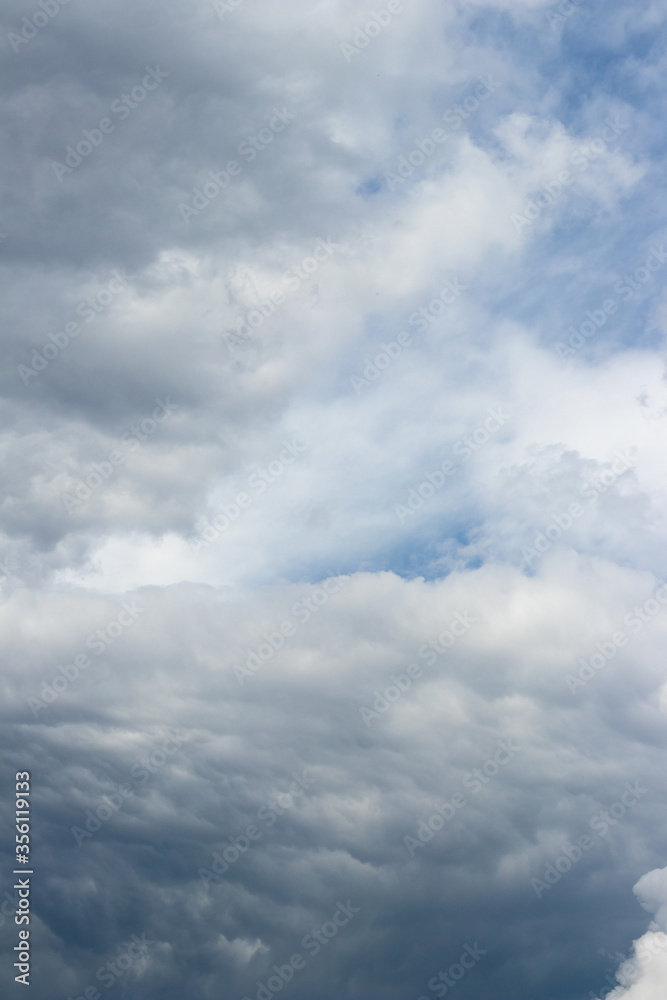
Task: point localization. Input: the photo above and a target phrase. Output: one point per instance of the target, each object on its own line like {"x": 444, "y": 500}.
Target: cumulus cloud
{"x": 642, "y": 976}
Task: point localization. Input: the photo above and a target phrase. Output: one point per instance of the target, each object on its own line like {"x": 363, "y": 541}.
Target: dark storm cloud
{"x": 160, "y": 773}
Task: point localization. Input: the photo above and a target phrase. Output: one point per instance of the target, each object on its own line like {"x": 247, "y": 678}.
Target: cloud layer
{"x": 333, "y": 532}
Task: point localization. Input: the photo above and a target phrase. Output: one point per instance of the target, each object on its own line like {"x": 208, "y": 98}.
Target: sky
{"x": 332, "y": 527}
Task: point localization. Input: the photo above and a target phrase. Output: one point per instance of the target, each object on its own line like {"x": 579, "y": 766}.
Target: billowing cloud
{"x": 642, "y": 976}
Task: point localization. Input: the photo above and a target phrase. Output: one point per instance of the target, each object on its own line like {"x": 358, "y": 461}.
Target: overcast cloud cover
{"x": 333, "y": 527}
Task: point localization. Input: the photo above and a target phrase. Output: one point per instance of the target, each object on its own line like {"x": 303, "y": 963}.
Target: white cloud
{"x": 643, "y": 975}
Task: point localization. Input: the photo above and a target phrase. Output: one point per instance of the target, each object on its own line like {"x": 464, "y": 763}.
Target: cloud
{"x": 642, "y": 976}
{"x": 368, "y": 787}
{"x": 332, "y": 533}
